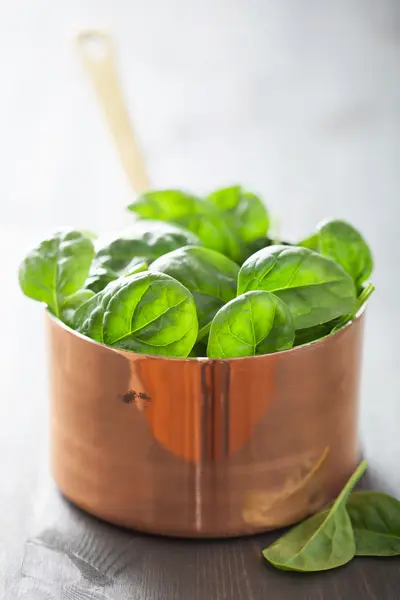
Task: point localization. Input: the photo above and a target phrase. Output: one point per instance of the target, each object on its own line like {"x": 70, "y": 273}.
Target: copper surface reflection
{"x": 203, "y": 448}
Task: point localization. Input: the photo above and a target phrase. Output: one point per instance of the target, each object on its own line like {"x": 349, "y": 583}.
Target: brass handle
{"x": 97, "y": 55}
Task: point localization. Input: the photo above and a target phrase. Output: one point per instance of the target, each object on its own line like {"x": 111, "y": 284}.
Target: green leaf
{"x": 209, "y": 275}
{"x": 256, "y": 245}
{"x": 341, "y": 242}
{"x": 247, "y": 212}
{"x": 57, "y": 268}
{"x": 312, "y": 334}
{"x": 199, "y": 350}
{"x": 344, "y": 244}
{"x": 133, "y": 249}
{"x": 88, "y": 318}
{"x": 375, "y": 518}
{"x": 311, "y": 242}
{"x": 72, "y": 303}
{"x": 361, "y": 300}
{"x": 315, "y": 288}
{"x": 322, "y": 542}
{"x": 148, "y": 313}
{"x": 251, "y": 324}
{"x": 195, "y": 214}
{"x": 261, "y": 243}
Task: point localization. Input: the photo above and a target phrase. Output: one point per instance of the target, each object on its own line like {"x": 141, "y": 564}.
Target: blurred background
{"x": 299, "y": 100}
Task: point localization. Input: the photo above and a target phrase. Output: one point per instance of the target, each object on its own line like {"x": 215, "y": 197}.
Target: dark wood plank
{"x": 73, "y": 556}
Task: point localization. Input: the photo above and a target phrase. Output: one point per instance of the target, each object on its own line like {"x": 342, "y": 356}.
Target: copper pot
{"x": 198, "y": 447}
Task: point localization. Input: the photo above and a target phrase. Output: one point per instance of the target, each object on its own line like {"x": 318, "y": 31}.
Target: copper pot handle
{"x": 97, "y": 54}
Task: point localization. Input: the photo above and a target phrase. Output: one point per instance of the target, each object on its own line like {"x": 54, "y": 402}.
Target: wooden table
{"x": 296, "y": 99}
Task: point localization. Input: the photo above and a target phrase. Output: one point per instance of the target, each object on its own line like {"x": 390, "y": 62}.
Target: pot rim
{"x": 205, "y": 359}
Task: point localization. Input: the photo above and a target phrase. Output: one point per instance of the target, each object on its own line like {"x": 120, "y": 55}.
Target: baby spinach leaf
{"x": 261, "y": 243}
{"x": 361, "y": 300}
{"x": 199, "y": 350}
{"x": 72, "y": 303}
{"x": 209, "y": 275}
{"x": 195, "y": 214}
{"x": 100, "y": 276}
{"x": 310, "y": 242}
{"x": 256, "y": 245}
{"x": 88, "y": 318}
{"x": 251, "y": 324}
{"x": 344, "y": 244}
{"x": 312, "y": 334}
{"x": 246, "y": 211}
{"x": 315, "y": 288}
{"x": 148, "y": 313}
{"x": 133, "y": 249}
{"x": 375, "y": 518}
{"x": 57, "y": 268}
{"x": 324, "y": 541}
{"x": 341, "y": 242}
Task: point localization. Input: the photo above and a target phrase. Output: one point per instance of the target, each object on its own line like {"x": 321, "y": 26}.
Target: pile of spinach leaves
{"x": 201, "y": 276}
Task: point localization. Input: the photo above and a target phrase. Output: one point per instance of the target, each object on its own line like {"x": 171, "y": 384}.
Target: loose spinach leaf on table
{"x": 209, "y": 275}
{"x": 254, "y": 323}
{"x": 246, "y": 211}
{"x": 57, "y": 268}
{"x": 148, "y": 313}
{"x": 322, "y": 542}
{"x": 344, "y": 244}
{"x": 375, "y": 518}
{"x": 314, "y": 287}
{"x": 132, "y": 250}
{"x": 195, "y": 214}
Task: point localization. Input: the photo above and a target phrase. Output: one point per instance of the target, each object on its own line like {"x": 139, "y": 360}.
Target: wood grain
{"x": 73, "y": 556}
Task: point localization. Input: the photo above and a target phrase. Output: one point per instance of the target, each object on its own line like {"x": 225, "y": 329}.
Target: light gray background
{"x": 298, "y": 100}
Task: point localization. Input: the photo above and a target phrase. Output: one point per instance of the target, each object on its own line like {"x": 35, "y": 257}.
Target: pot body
{"x": 203, "y": 448}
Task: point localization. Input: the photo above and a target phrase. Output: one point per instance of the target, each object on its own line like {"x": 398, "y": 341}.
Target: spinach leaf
{"x": 256, "y": 245}
{"x": 311, "y": 242}
{"x": 375, "y": 518}
{"x": 57, "y": 268}
{"x": 361, "y": 300}
{"x": 247, "y": 212}
{"x": 72, "y": 303}
{"x": 315, "y": 288}
{"x": 261, "y": 243}
{"x": 199, "y": 350}
{"x": 251, "y": 324}
{"x": 88, "y": 318}
{"x": 102, "y": 274}
{"x": 312, "y": 334}
{"x": 148, "y": 313}
{"x": 324, "y": 541}
{"x": 341, "y": 242}
{"x": 133, "y": 249}
{"x": 195, "y": 214}
{"x": 209, "y": 275}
